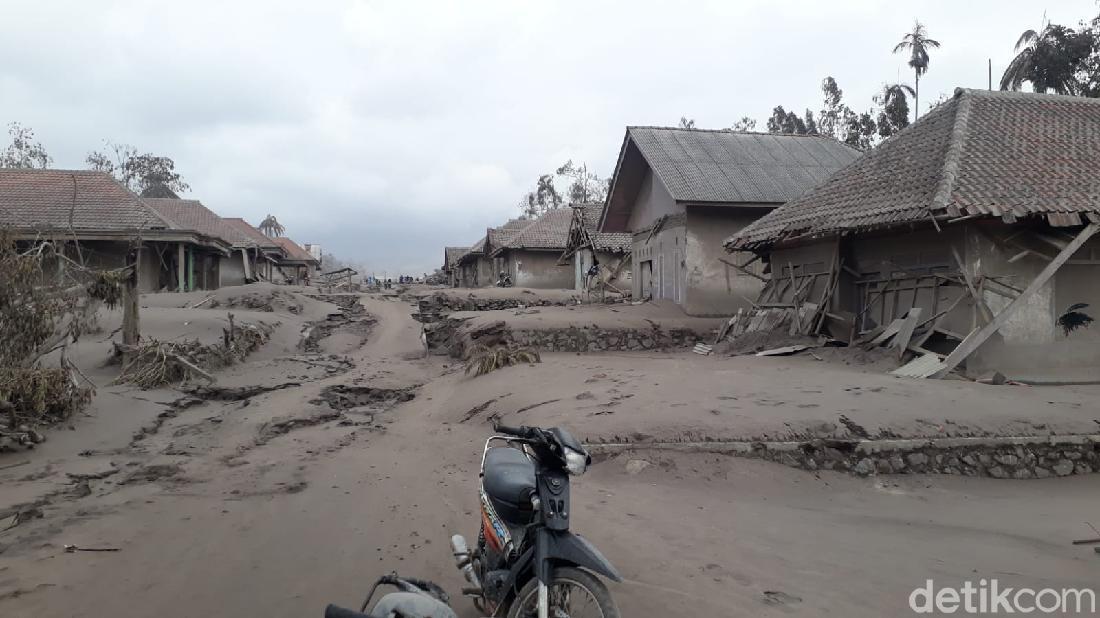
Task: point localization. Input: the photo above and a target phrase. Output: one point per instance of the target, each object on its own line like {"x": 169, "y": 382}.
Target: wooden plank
{"x": 905, "y": 332}
{"x": 979, "y": 336}
{"x": 887, "y": 332}
{"x": 741, "y": 268}
{"x": 987, "y": 315}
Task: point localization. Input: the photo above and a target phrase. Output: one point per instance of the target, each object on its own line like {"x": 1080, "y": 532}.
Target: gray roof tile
{"x": 983, "y": 153}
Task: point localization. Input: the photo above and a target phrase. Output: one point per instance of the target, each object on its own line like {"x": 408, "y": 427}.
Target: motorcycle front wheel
{"x": 573, "y": 592}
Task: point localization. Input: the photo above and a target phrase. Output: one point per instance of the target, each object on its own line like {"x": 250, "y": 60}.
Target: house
{"x": 979, "y": 219}
{"x": 97, "y": 220}
{"x": 477, "y": 268}
{"x": 298, "y": 267}
{"x": 587, "y": 245}
{"x": 263, "y": 252}
{"x": 243, "y": 263}
{"x": 451, "y": 256}
{"x": 474, "y": 267}
{"x": 530, "y": 255}
{"x": 681, "y": 192}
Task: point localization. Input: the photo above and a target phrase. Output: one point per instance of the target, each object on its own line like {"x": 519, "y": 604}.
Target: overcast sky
{"x": 386, "y": 130}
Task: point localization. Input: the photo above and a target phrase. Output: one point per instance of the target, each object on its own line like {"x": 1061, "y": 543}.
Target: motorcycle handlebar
{"x": 527, "y": 433}
{"x": 334, "y": 611}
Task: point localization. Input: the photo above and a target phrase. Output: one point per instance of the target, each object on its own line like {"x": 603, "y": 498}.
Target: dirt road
{"x": 274, "y": 504}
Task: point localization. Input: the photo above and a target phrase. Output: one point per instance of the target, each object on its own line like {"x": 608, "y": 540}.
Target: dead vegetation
{"x": 47, "y": 301}
{"x": 153, "y": 363}
{"x": 485, "y": 359}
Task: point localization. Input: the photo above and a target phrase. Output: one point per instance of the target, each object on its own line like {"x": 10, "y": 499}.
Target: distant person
{"x": 592, "y": 272}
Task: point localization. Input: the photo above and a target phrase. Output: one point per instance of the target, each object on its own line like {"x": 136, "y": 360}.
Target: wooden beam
{"x": 987, "y": 315}
{"x": 742, "y": 269}
{"x": 979, "y": 336}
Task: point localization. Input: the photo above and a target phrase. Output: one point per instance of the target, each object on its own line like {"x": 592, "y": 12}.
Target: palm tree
{"x": 1046, "y": 59}
{"x": 271, "y": 226}
{"x": 918, "y": 44}
{"x": 894, "y": 115}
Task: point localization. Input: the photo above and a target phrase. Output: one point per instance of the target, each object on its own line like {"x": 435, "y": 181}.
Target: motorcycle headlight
{"x": 575, "y": 462}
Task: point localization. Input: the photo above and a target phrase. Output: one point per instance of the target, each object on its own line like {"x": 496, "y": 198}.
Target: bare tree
{"x": 24, "y": 152}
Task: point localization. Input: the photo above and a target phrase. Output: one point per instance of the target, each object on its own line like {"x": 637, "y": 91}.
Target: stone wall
{"x": 446, "y": 303}
{"x": 1011, "y": 457}
{"x": 593, "y": 339}
{"x": 454, "y": 336}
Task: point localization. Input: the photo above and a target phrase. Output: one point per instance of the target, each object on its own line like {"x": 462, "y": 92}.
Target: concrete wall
{"x": 1031, "y": 344}
{"x": 653, "y": 201}
{"x": 539, "y": 269}
{"x": 659, "y": 264}
{"x": 713, "y": 287}
{"x": 231, "y": 269}
{"x": 148, "y": 269}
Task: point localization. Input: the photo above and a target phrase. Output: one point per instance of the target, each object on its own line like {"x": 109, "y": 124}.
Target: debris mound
{"x": 153, "y": 363}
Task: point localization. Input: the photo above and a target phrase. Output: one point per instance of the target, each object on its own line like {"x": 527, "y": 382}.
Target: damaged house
{"x": 530, "y": 254}
{"x": 969, "y": 237}
{"x": 476, "y": 267}
{"x": 97, "y": 220}
{"x": 244, "y": 263}
{"x": 298, "y": 267}
{"x": 262, "y": 251}
{"x": 451, "y": 256}
{"x": 587, "y": 245}
{"x": 682, "y": 192}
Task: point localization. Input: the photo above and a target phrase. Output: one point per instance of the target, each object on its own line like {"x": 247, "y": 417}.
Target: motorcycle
{"x": 527, "y": 563}
{"x": 504, "y": 281}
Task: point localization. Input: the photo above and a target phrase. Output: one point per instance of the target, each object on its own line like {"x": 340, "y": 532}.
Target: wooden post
{"x": 131, "y": 328}
{"x": 247, "y": 266}
{"x": 181, "y": 272}
{"x": 978, "y": 336}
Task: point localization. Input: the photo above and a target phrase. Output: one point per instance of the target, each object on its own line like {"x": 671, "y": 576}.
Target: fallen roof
{"x": 550, "y": 231}
{"x": 980, "y": 154}
{"x": 611, "y": 242}
{"x": 81, "y": 200}
{"x": 294, "y": 252}
{"x": 192, "y": 215}
{"x": 250, "y": 233}
{"x": 720, "y": 167}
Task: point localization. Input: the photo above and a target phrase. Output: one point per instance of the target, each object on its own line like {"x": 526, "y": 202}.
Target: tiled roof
{"x": 293, "y": 250}
{"x": 733, "y": 167}
{"x": 46, "y": 199}
{"x": 249, "y": 233}
{"x": 451, "y": 256}
{"x": 192, "y": 215}
{"x": 549, "y": 231}
{"x": 613, "y": 242}
{"x": 981, "y": 153}
{"x": 501, "y": 236}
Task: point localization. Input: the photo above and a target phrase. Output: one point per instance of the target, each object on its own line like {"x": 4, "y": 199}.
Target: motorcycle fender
{"x": 553, "y": 548}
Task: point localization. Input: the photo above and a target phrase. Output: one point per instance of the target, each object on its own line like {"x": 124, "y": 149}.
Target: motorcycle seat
{"x": 509, "y": 476}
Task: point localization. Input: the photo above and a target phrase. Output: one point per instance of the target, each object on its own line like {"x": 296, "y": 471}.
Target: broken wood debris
{"x": 783, "y": 351}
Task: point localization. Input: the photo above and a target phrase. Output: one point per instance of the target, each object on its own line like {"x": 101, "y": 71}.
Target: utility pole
{"x": 991, "y": 74}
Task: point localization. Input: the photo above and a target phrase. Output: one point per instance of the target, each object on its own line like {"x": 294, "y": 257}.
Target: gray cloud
{"x": 384, "y": 130}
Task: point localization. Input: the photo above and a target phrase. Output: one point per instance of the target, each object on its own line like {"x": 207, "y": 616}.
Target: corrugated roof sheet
{"x": 733, "y": 167}
{"x": 982, "y": 153}
{"x": 90, "y": 201}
